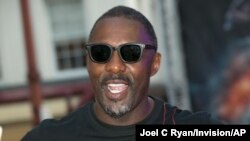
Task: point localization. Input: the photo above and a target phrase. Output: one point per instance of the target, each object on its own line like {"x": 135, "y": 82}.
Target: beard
{"x": 113, "y": 108}
{"x": 116, "y": 111}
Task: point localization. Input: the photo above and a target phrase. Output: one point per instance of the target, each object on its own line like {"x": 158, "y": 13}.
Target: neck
{"x": 139, "y": 113}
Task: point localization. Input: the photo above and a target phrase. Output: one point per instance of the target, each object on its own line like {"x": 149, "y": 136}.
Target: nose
{"x": 115, "y": 64}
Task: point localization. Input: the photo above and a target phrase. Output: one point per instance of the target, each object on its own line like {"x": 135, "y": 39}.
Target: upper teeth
{"x": 116, "y": 88}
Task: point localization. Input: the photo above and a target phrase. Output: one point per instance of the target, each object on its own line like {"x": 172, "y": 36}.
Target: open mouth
{"x": 117, "y": 88}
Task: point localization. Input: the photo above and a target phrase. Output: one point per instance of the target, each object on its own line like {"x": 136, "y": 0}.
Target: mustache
{"x": 123, "y": 77}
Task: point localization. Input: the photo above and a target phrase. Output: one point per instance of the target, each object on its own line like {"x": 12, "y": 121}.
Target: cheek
{"x": 141, "y": 70}
{"x": 94, "y": 70}
{"x": 147, "y": 63}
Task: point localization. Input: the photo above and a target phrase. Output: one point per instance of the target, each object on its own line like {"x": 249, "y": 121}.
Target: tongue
{"x": 117, "y": 88}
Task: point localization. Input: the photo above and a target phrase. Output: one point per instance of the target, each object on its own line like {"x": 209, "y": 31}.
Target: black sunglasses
{"x": 129, "y": 52}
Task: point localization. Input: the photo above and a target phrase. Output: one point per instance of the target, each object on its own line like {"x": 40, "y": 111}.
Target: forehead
{"x": 118, "y": 30}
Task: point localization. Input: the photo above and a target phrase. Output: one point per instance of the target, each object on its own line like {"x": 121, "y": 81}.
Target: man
{"x": 122, "y": 56}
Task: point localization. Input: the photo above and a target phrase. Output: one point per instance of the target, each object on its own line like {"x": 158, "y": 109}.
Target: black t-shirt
{"x": 83, "y": 124}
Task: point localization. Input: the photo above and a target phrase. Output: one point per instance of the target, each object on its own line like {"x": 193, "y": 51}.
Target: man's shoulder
{"x": 44, "y": 131}
{"x": 180, "y": 116}
{"x": 50, "y": 129}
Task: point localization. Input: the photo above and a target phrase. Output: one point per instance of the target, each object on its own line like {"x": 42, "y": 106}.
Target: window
{"x": 70, "y": 55}
{"x": 68, "y": 32}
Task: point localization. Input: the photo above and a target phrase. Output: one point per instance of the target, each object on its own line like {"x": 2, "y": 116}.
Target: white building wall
{"x": 12, "y": 51}
{"x": 42, "y": 37}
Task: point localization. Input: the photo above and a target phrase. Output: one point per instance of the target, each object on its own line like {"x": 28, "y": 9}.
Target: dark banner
{"x": 216, "y": 45}
{"x": 165, "y": 132}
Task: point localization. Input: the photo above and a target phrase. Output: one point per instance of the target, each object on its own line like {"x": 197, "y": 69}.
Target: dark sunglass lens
{"x": 130, "y": 53}
{"x": 100, "y": 53}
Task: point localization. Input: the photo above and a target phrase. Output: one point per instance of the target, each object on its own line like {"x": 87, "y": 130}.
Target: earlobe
{"x": 155, "y": 64}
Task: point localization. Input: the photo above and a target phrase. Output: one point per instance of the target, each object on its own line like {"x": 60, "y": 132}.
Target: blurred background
{"x": 205, "y": 47}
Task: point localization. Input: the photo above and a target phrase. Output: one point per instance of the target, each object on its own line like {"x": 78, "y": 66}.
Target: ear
{"x": 155, "y": 64}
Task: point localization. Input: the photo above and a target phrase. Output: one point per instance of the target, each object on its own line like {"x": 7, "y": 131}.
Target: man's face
{"x": 119, "y": 87}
